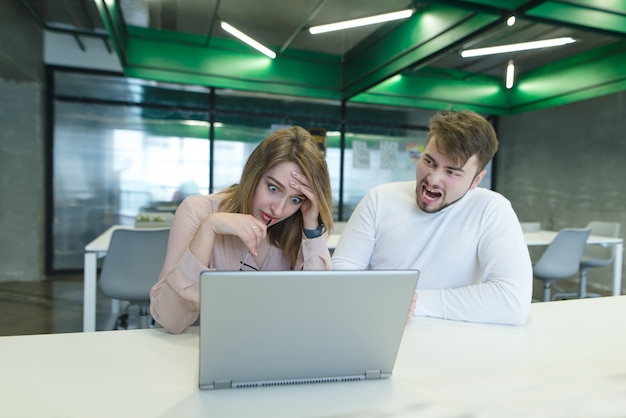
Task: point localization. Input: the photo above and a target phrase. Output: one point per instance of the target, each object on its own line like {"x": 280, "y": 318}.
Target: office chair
{"x": 595, "y": 255}
{"x": 131, "y": 267}
{"x": 530, "y": 226}
{"x": 561, "y": 259}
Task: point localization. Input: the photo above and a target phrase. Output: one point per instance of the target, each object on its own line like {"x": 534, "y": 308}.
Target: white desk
{"x": 567, "y": 361}
{"x": 99, "y": 247}
{"x": 545, "y": 237}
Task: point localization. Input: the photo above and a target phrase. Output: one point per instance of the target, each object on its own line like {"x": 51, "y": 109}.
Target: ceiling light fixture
{"x": 245, "y": 38}
{"x": 510, "y": 74}
{"x": 510, "y": 21}
{"x": 547, "y": 43}
{"x": 347, "y": 24}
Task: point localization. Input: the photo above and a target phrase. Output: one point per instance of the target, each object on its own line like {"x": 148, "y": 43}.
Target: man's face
{"x": 441, "y": 182}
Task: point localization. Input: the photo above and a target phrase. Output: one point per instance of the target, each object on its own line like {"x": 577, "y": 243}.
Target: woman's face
{"x": 275, "y": 199}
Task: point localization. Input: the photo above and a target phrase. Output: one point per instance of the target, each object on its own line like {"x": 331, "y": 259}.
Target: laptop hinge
{"x": 372, "y": 374}
{"x": 223, "y": 384}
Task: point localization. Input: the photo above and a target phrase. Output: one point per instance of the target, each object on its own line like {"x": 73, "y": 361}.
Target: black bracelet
{"x": 314, "y": 233}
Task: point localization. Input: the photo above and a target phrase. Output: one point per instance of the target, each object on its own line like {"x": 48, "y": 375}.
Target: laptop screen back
{"x": 268, "y": 328}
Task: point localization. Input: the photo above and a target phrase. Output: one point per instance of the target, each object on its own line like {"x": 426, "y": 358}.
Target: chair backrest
{"x": 338, "y": 227}
{"x": 530, "y": 226}
{"x": 603, "y": 229}
{"x": 562, "y": 257}
{"x": 133, "y": 263}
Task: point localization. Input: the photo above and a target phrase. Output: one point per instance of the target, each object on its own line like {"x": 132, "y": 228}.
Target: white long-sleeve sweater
{"x": 474, "y": 262}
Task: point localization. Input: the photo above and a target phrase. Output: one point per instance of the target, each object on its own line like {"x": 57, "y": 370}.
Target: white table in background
{"x": 567, "y": 361}
{"x": 543, "y": 237}
{"x": 99, "y": 247}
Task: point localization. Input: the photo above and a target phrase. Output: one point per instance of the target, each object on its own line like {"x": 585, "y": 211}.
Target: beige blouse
{"x": 174, "y": 299}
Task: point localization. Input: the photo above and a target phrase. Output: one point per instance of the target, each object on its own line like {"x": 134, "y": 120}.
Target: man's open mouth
{"x": 431, "y": 194}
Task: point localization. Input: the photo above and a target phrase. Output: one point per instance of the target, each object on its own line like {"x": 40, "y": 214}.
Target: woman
{"x": 276, "y": 218}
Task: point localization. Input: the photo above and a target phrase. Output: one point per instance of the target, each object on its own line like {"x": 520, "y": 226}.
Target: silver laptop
{"x": 262, "y": 328}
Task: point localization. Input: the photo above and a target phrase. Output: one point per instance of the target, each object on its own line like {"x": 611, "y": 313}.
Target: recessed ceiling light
{"x": 510, "y": 21}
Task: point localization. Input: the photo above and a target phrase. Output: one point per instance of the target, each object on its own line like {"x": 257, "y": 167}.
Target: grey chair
{"x": 131, "y": 267}
{"x": 595, "y": 256}
{"x": 561, "y": 258}
{"x": 530, "y": 226}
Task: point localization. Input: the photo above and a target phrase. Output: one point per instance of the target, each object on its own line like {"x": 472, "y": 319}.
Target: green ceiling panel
{"x": 391, "y": 68}
{"x": 615, "y": 6}
{"x": 585, "y": 76}
{"x": 575, "y": 14}
{"x": 185, "y": 58}
{"x": 417, "y": 39}
{"x": 225, "y": 64}
{"x": 438, "y": 92}
{"x": 499, "y": 4}
{"x": 572, "y": 97}
{"x": 166, "y": 36}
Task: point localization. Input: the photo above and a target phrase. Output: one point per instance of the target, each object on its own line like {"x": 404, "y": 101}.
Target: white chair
{"x": 595, "y": 255}
{"x": 561, "y": 258}
{"x": 131, "y": 267}
{"x": 338, "y": 227}
{"x": 530, "y": 226}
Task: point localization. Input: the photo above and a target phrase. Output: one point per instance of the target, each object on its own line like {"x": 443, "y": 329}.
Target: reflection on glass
{"x": 127, "y": 146}
{"x": 110, "y": 164}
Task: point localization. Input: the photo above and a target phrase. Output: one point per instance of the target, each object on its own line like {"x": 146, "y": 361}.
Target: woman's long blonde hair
{"x": 293, "y": 144}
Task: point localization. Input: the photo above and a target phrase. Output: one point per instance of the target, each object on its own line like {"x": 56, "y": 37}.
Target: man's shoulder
{"x": 395, "y": 187}
{"x": 485, "y": 199}
{"x": 488, "y": 195}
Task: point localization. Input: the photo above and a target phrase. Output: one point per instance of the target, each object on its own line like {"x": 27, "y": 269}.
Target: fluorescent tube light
{"x": 245, "y": 38}
{"x": 516, "y": 47}
{"x": 510, "y": 74}
{"x": 402, "y": 14}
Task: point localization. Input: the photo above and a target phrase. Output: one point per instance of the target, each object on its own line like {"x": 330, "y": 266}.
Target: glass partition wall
{"x": 121, "y": 147}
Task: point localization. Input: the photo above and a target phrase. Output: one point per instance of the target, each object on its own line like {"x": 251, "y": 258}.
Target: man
{"x": 466, "y": 241}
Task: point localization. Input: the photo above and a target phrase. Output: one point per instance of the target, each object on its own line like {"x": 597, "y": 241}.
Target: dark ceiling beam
{"x": 214, "y": 21}
{"x": 61, "y": 29}
{"x": 303, "y": 26}
{"x": 428, "y": 33}
{"x": 586, "y": 14}
{"x": 114, "y": 23}
{"x": 488, "y": 6}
